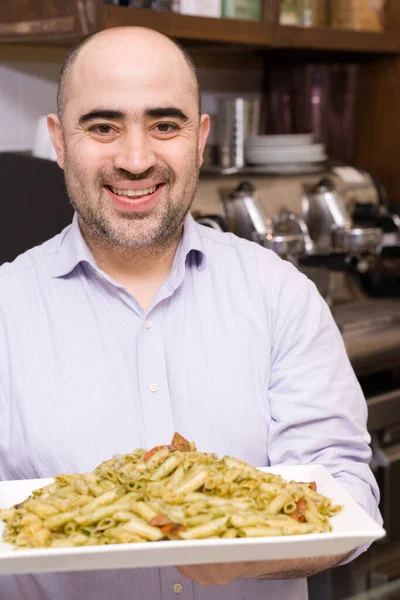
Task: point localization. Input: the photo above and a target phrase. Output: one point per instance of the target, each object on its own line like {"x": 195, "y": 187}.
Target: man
{"x": 135, "y": 322}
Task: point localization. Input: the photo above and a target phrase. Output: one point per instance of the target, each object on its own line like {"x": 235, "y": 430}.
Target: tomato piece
{"x": 180, "y": 443}
{"x": 150, "y": 453}
{"x": 299, "y": 513}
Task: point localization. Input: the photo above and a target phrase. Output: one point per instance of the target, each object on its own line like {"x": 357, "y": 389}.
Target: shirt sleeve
{"x": 318, "y": 410}
{"x": 6, "y": 429}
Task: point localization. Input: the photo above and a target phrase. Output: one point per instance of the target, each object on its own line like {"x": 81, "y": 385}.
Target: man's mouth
{"x": 143, "y": 199}
{"x": 133, "y": 193}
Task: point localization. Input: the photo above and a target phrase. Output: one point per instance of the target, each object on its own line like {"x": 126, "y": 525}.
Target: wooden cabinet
{"x": 70, "y": 20}
{"x": 378, "y": 126}
{"x": 62, "y": 20}
{"x": 49, "y": 20}
{"x": 202, "y": 29}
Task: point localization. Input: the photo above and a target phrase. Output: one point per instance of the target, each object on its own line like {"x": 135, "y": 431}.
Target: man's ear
{"x": 204, "y": 130}
{"x": 57, "y": 135}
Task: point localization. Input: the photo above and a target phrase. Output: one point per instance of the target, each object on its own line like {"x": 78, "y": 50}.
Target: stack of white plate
{"x": 284, "y": 150}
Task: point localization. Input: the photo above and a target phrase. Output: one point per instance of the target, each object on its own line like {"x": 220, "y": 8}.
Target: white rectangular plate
{"x": 351, "y": 528}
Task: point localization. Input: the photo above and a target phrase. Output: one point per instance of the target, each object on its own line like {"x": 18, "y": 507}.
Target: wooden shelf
{"x": 227, "y": 35}
{"x": 253, "y": 33}
{"x": 341, "y": 40}
{"x": 185, "y": 27}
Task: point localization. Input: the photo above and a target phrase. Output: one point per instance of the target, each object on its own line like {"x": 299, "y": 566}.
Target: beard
{"x": 154, "y": 230}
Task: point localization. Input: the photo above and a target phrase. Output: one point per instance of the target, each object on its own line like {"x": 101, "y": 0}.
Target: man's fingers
{"x": 208, "y": 574}
{"x": 193, "y": 574}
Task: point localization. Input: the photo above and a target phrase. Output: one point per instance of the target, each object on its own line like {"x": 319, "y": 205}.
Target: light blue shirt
{"x": 238, "y": 352}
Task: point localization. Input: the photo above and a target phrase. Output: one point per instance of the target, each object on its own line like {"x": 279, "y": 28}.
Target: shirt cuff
{"x": 355, "y": 554}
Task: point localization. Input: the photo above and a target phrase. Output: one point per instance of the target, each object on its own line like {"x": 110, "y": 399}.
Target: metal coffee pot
{"x": 244, "y": 213}
{"x": 330, "y": 225}
{"x": 286, "y": 234}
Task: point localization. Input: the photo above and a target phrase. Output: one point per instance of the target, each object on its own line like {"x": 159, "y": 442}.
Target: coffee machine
{"x": 351, "y": 223}
{"x": 338, "y": 223}
{"x": 339, "y": 229}
{"x": 285, "y": 233}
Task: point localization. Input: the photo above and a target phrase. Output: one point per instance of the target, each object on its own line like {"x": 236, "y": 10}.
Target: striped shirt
{"x": 237, "y": 352}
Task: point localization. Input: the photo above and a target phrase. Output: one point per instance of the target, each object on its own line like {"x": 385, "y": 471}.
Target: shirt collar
{"x": 73, "y": 249}
{"x": 191, "y": 242}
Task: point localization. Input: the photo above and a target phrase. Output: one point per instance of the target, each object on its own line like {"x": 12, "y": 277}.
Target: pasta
{"x": 169, "y": 493}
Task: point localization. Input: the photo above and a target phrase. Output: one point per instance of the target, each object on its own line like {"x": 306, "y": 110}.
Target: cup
{"x": 238, "y": 119}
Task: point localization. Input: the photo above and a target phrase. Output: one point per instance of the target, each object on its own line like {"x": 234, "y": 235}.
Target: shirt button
{"x": 177, "y": 587}
{"x": 154, "y": 387}
{"x": 148, "y": 324}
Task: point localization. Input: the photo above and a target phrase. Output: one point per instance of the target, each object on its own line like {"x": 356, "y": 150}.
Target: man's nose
{"x": 135, "y": 153}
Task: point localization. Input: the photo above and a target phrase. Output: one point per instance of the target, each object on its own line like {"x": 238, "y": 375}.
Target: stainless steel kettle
{"x": 244, "y": 214}
{"x": 323, "y": 210}
{"x": 330, "y": 225}
{"x": 286, "y": 234}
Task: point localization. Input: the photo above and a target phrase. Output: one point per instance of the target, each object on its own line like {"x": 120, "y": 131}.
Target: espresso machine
{"x": 342, "y": 227}
{"x": 285, "y": 233}
{"x": 339, "y": 226}
{"x": 353, "y": 230}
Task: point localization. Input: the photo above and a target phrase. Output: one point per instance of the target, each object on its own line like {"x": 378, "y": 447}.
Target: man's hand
{"x": 224, "y": 573}
{"x": 220, "y": 574}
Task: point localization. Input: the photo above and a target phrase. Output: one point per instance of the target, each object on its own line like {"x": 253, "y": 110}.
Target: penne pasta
{"x": 143, "y": 510}
{"x": 192, "y": 483}
{"x": 166, "y": 468}
{"x": 141, "y": 528}
{"x": 277, "y": 503}
{"x": 209, "y": 529}
{"x": 170, "y": 492}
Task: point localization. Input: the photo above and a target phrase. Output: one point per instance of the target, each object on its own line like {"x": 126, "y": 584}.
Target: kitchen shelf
{"x": 231, "y": 35}
{"x": 259, "y": 34}
{"x": 267, "y": 169}
{"x": 187, "y": 27}
{"x": 342, "y": 40}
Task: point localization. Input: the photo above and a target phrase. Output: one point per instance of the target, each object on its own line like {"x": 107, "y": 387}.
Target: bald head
{"x": 134, "y": 42}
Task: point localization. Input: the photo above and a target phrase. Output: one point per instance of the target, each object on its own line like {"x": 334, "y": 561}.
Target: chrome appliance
{"x": 286, "y": 233}
{"x": 346, "y": 228}
{"x": 330, "y": 224}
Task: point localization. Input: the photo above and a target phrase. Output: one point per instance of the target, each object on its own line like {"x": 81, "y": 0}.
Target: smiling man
{"x": 130, "y": 140}
{"x": 135, "y": 322}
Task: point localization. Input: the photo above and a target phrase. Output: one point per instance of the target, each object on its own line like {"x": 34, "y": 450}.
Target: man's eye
{"x": 166, "y": 127}
{"x": 102, "y": 129}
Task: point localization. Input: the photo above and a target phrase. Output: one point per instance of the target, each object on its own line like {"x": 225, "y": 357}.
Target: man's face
{"x": 133, "y": 145}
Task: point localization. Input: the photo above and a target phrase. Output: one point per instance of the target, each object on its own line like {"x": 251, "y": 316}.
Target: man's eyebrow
{"x": 113, "y": 115}
{"x": 168, "y": 112}
{"x": 117, "y": 115}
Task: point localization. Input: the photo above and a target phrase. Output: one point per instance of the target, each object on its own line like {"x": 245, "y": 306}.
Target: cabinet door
{"x": 40, "y": 20}
{"x": 391, "y": 15}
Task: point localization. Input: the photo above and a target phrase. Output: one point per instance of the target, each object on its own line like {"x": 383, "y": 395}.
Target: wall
{"x": 27, "y": 91}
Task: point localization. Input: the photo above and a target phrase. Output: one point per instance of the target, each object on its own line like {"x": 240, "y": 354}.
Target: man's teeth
{"x": 133, "y": 193}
